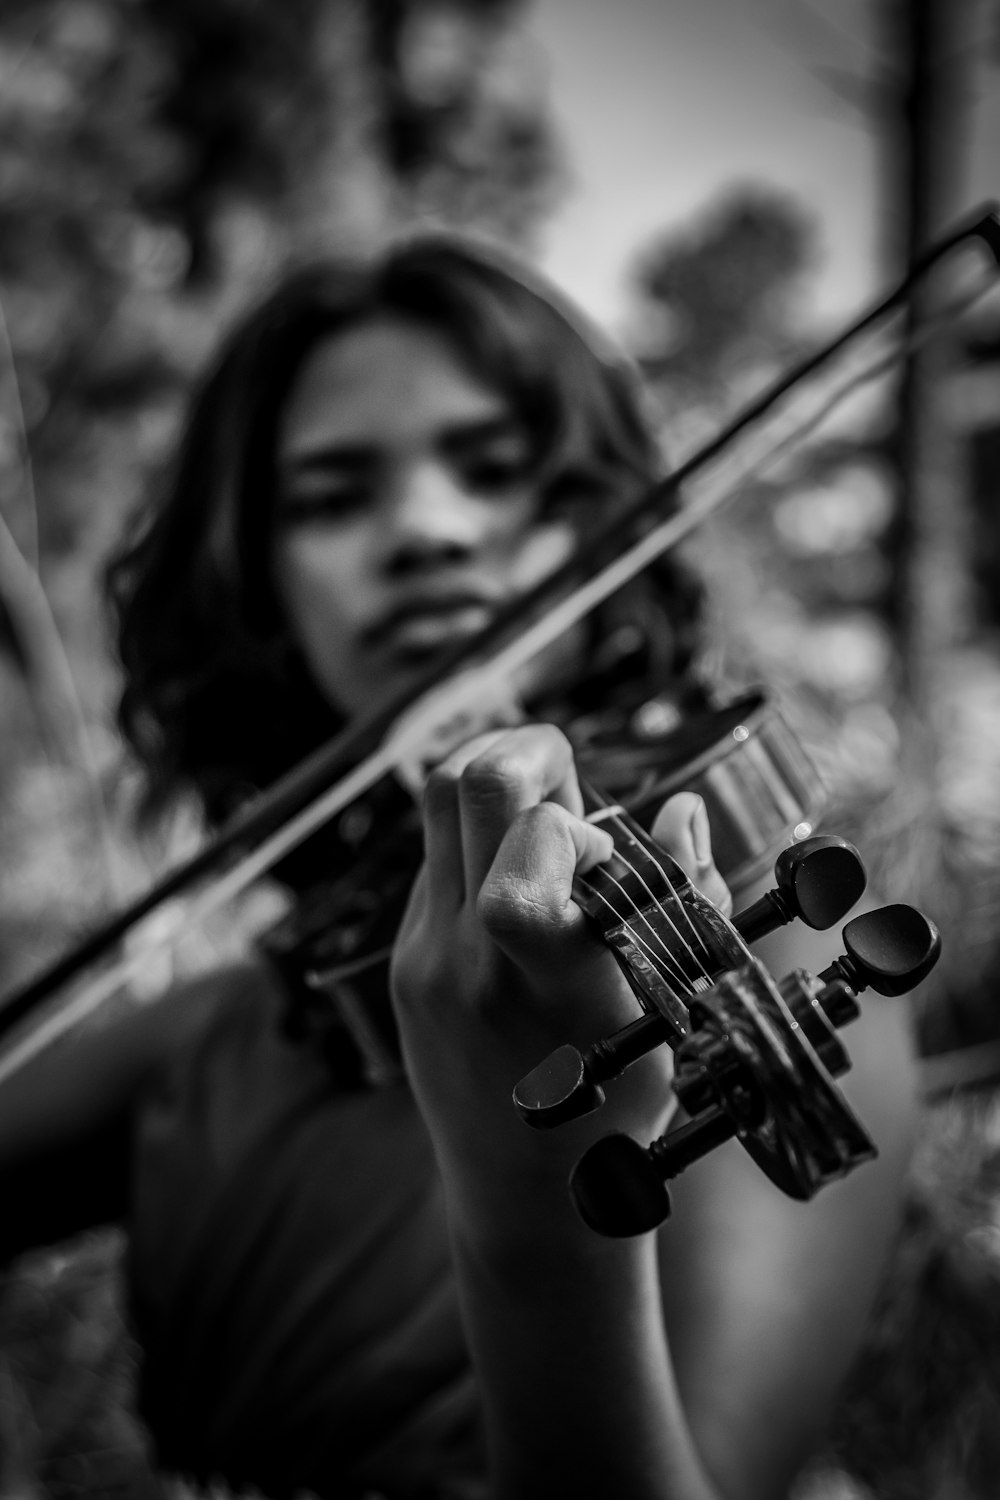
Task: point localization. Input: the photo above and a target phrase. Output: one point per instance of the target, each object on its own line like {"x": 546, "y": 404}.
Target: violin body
{"x": 760, "y": 787}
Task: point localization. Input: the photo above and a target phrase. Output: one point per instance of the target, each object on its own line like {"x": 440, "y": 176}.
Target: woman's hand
{"x": 495, "y": 964}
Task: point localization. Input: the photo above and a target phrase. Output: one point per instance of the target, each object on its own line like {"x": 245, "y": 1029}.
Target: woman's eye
{"x": 331, "y": 503}
{"x": 495, "y": 473}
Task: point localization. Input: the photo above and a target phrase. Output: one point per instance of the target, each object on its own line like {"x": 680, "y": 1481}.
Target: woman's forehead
{"x": 381, "y": 376}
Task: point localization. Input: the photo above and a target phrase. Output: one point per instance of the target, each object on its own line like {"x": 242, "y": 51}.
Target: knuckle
{"x": 439, "y": 788}
{"x": 505, "y": 908}
{"x": 527, "y": 753}
{"x": 544, "y": 819}
{"x": 491, "y": 775}
{"x": 516, "y": 911}
{"x": 553, "y": 744}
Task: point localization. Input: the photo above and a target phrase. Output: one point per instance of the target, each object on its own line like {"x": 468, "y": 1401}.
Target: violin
{"x": 755, "y": 1057}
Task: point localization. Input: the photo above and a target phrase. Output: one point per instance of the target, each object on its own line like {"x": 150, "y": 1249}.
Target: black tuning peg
{"x": 567, "y": 1084}
{"x": 818, "y": 881}
{"x": 619, "y": 1187}
{"x": 889, "y": 951}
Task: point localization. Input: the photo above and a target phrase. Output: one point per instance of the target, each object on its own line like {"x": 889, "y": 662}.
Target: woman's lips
{"x": 433, "y": 627}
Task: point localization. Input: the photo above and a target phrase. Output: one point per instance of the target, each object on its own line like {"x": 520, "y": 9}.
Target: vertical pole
{"x": 927, "y": 546}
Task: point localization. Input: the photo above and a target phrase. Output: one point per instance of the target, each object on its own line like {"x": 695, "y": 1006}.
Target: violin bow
{"x": 340, "y": 771}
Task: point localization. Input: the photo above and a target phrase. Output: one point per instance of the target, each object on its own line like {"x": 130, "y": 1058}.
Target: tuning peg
{"x": 619, "y": 1187}
{"x": 818, "y": 881}
{"x": 567, "y": 1084}
{"x": 889, "y": 951}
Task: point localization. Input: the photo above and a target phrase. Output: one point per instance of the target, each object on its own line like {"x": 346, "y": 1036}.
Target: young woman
{"x": 359, "y": 1287}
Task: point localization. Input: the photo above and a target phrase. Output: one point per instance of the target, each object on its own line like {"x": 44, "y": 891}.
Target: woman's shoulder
{"x": 187, "y": 1012}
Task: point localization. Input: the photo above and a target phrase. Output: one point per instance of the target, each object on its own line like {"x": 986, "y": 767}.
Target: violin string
{"x": 615, "y": 813}
{"x": 642, "y": 915}
{"x": 682, "y": 905}
{"x": 640, "y": 912}
{"x": 679, "y": 980}
{"x": 675, "y": 893}
{"x": 695, "y": 958}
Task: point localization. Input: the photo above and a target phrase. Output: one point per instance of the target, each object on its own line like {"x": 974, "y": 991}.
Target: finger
{"x": 442, "y": 841}
{"x": 526, "y": 900}
{"x": 482, "y": 706}
{"x": 518, "y": 769}
{"x": 442, "y": 819}
{"x": 682, "y": 827}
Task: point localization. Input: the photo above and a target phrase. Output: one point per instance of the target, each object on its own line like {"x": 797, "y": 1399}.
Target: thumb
{"x": 682, "y": 827}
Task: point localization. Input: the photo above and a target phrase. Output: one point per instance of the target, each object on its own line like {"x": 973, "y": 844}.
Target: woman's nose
{"x": 428, "y": 518}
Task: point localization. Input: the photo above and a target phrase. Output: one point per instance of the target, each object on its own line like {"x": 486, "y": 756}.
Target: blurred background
{"x": 720, "y": 184}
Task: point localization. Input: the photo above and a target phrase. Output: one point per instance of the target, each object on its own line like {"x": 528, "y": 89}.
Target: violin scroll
{"x": 759, "y": 1065}
{"x": 817, "y": 882}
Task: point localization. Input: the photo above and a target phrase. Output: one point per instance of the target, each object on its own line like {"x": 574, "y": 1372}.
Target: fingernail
{"x": 701, "y": 836}
{"x": 609, "y": 846}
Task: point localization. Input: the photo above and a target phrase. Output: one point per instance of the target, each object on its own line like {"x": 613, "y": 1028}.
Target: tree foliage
{"x": 723, "y": 294}
{"x": 147, "y": 146}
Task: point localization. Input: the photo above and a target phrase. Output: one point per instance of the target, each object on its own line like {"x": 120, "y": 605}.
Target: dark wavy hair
{"x": 217, "y": 699}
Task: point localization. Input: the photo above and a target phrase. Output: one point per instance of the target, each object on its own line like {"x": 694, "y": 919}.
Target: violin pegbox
{"x": 668, "y": 939}
{"x": 759, "y": 1064}
{"x": 672, "y": 944}
{"x": 755, "y": 1058}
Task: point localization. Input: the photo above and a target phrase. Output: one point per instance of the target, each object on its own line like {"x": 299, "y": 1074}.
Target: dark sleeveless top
{"x": 290, "y": 1278}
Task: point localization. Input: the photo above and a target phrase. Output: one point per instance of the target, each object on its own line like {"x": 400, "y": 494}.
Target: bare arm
{"x": 766, "y": 1298}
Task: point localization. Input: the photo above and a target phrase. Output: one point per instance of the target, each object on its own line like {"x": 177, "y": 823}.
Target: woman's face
{"x": 406, "y": 512}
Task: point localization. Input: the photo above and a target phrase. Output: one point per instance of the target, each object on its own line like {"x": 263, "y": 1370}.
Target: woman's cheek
{"x": 544, "y": 549}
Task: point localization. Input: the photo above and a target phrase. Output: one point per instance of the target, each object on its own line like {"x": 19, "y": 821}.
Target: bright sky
{"x": 663, "y": 103}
